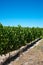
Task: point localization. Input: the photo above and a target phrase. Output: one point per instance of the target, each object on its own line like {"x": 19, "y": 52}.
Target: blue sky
{"x": 23, "y": 12}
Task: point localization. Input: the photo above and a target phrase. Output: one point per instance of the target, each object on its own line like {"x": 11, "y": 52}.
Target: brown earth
{"x": 34, "y": 56}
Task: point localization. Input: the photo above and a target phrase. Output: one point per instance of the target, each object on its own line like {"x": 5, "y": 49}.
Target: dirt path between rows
{"x": 33, "y": 56}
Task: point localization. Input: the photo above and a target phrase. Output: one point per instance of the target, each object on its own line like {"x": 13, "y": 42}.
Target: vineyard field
{"x": 12, "y": 38}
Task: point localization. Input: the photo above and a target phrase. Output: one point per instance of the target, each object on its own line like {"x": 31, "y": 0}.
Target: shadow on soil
{"x": 18, "y": 54}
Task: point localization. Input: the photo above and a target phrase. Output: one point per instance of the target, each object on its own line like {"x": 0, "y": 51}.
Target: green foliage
{"x": 12, "y": 38}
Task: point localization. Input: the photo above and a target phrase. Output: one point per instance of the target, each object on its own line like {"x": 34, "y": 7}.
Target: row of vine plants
{"x": 12, "y": 38}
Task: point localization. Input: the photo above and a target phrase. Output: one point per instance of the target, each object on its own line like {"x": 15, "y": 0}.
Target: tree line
{"x": 12, "y": 38}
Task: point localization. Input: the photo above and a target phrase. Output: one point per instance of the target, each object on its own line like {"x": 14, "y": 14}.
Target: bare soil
{"x": 33, "y": 56}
